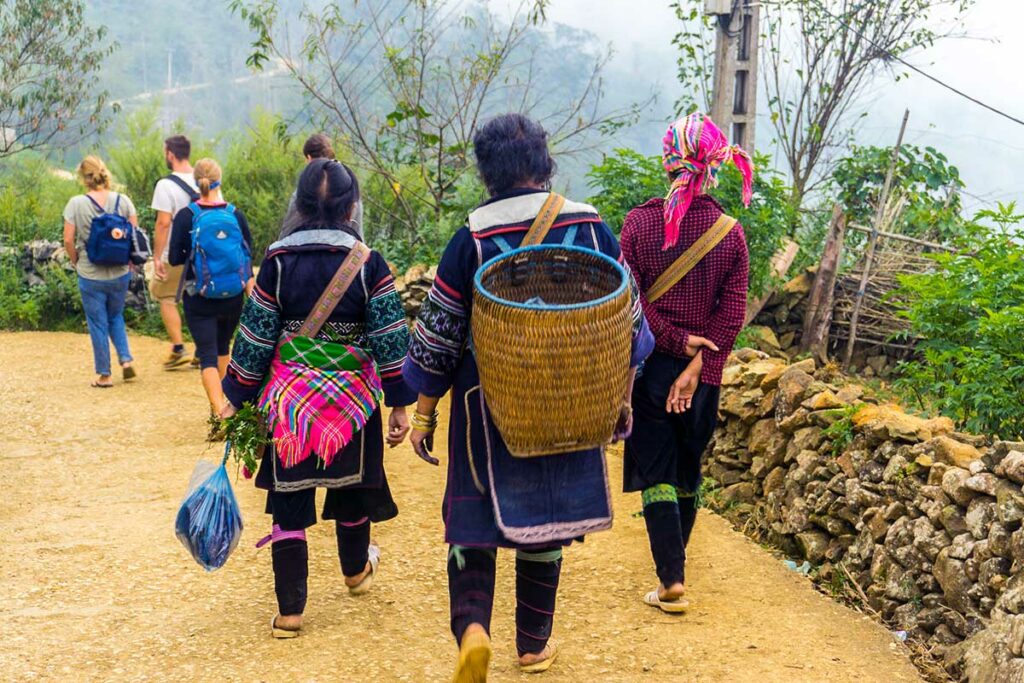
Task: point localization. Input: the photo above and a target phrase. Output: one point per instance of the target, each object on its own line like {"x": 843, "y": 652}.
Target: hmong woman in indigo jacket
{"x": 535, "y": 505}
{"x": 333, "y": 396}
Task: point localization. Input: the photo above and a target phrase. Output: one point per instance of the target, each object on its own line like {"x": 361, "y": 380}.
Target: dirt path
{"x": 94, "y": 586}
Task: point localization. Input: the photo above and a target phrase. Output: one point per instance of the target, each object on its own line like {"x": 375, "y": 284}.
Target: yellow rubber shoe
{"x": 474, "y": 658}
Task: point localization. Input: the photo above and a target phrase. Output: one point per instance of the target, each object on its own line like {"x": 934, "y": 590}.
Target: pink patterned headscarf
{"x": 695, "y": 148}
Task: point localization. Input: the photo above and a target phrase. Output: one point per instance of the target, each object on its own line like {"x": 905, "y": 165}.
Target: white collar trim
{"x": 330, "y": 238}
{"x": 521, "y": 209}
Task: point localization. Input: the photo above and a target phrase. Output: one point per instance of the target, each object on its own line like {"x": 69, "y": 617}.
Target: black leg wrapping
{"x": 353, "y": 543}
{"x": 537, "y": 575}
{"x": 665, "y": 534}
{"x": 470, "y": 588}
{"x": 687, "y": 518}
{"x": 291, "y": 568}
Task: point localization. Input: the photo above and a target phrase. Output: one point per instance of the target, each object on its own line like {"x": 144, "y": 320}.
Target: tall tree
{"x": 404, "y": 84}
{"x": 820, "y": 57}
{"x": 49, "y": 62}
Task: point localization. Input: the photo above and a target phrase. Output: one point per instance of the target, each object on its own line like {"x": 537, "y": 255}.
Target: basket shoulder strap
{"x": 691, "y": 257}
{"x": 544, "y": 220}
{"x": 339, "y": 284}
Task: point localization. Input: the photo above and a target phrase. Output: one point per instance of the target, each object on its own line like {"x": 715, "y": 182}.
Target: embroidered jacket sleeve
{"x": 643, "y": 339}
{"x": 387, "y": 334}
{"x": 669, "y": 335}
{"x": 256, "y": 339}
{"x": 442, "y": 328}
{"x": 727, "y": 320}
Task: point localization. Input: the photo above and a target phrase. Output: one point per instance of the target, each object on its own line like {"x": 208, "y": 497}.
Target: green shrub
{"x": 261, "y": 168}
{"x": 59, "y": 301}
{"x": 136, "y": 157}
{"x": 434, "y": 231}
{"x": 32, "y": 199}
{"x": 923, "y": 177}
{"x": 969, "y": 314}
{"x": 627, "y": 179}
{"x": 18, "y": 310}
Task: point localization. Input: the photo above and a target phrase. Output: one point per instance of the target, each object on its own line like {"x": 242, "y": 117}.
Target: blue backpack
{"x": 110, "y": 237}
{"x": 220, "y": 256}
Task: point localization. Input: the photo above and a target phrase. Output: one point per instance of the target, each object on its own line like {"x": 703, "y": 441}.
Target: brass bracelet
{"x": 424, "y": 423}
{"x": 423, "y": 430}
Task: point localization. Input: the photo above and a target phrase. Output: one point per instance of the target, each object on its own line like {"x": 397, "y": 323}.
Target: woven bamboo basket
{"x": 552, "y": 327}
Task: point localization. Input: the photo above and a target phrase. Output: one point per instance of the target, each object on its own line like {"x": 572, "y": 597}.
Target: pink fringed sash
{"x": 312, "y": 410}
{"x": 320, "y": 393}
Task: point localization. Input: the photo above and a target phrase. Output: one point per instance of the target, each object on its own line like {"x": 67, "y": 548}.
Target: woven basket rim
{"x": 479, "y": 286}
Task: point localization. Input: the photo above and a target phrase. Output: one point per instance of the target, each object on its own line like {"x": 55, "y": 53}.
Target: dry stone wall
{"x": 925, "y": 520}
{"x": 779, "y": 325}
{"x": 38, "y": 257}
{"x": 413, "y": 286}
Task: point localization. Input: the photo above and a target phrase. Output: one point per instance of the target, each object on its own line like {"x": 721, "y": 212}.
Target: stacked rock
{"x": 926, "y": 521}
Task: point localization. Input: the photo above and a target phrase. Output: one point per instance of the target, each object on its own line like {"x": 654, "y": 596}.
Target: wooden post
{"x": 818, "y": 318}
{"x": 734, "y": 97}
{"x": 873, "y": 242}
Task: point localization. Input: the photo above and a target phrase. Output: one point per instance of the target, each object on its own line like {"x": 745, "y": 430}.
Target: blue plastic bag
{"x": 209, "y": 523}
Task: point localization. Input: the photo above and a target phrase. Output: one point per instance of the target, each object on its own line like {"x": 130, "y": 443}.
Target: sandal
{"x": 474, "y": 658}
{"x": 282, "y": 633}
{"x": 544, "y": 664}
{"x": 102, "y": 385}
{"x": 127, "y": 373}
{"x": 373, "y": 557}
{"x": 677, "y": 606}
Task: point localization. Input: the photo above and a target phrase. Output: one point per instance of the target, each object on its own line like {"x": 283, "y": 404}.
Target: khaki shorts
{"x": 164, "y": 289}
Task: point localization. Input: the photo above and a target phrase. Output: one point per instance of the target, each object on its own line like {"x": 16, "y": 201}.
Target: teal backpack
{"x": 221, "y": 260}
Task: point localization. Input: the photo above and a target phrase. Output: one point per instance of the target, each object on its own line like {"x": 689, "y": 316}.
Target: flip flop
{"x": 102, "y": 385}
{"x": 128, "y": 373}
{"x": 543, "y": 665}
{"x": 474, "y": 658}
{"x": 677, "y": 606}
{"x": 373, "y": 557}
{"x": 281, "y": 633}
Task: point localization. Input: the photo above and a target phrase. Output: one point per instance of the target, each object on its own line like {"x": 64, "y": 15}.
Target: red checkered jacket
{"x": 711, "y": 301}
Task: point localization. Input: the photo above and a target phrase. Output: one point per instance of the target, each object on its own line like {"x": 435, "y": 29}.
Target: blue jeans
{"x": 103, "y": 301}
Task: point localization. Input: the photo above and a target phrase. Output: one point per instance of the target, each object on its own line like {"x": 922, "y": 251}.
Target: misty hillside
{"x": 162, "y": 48}
{"x": 196, "y": 65}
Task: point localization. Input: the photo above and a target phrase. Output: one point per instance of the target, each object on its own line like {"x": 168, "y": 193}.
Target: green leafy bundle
{"x": 247, "y": 432}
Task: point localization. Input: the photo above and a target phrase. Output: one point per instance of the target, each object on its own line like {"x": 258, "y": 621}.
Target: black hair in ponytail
{"x": 325, "y": 197}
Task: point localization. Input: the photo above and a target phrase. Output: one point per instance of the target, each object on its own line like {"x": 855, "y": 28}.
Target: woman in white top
{"x": 103, "y": 286}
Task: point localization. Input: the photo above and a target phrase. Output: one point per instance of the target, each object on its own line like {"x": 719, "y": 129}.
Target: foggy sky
{"x": 988, "y": 149}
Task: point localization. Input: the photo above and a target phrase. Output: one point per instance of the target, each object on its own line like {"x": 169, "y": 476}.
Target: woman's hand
{"x": 423, "y": 444}
{"x": 624, "y": 425}
{"x": 424, "y": 422}
{"x": 398, "y": 426}
{"x": 228, "y": 411}
{"x": 695, "y": 345}
{"x": 681, "y": 394}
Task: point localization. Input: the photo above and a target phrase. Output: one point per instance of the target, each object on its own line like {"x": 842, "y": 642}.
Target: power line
{"x": 916, "y": 69}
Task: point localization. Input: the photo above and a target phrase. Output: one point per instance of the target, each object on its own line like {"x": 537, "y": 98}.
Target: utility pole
{"x": 734, "y": 101}
{"x": 170, "y": 68}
